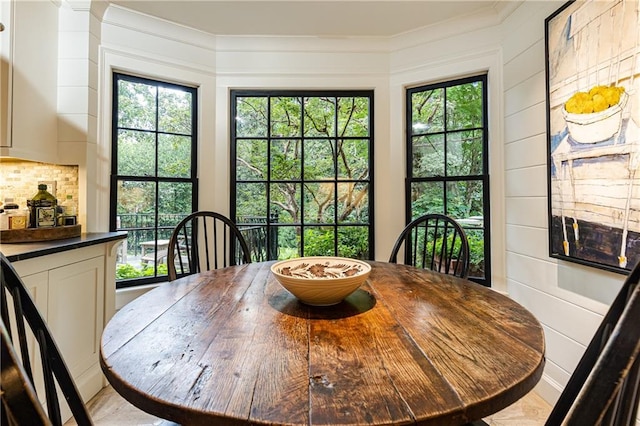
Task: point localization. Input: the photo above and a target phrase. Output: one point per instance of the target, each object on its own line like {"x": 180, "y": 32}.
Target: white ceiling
{"x": 328, "y": 18}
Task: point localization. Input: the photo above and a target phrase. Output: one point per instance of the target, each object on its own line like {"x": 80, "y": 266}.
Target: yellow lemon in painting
{"x": 572, "y": 106}
{"x": 596, "y": 89}
{"x": 586, "y": 107}
{"x": 599, "y": 103}
{"x": 597, "y": 99}
{"x": 612, "y": 95}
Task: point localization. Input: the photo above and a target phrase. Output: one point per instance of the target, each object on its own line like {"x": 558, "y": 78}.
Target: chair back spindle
{"x": 202, "y": 241}
{"x": 436, "y": 242}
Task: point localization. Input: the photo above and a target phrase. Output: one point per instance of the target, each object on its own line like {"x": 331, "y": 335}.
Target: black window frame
{"x": 270, "y": 224}
{"x": 157, "y": 180}
{"x": 484, "y": 177}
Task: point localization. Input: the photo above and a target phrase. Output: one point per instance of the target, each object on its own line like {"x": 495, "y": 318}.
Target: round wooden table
{"x": 411, "y": 346}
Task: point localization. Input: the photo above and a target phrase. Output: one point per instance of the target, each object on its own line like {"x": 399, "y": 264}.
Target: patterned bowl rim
{"x": 365, "y": 271}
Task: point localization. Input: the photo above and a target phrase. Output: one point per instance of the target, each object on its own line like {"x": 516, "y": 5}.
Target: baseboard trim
{"x": 548, "y": 389}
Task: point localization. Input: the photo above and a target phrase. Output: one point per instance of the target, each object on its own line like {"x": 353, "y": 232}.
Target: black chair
{"x": 20, "y": 404}
{"x": 436, "y": 242}
{"x": 28, "y": 325}
{"x": 603, "y": 388}
{"x": 202, "y": 241}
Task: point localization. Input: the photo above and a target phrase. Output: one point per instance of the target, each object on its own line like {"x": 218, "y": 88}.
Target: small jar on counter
{"x": 16, "y": 217}
{"x": 4, "y": 220}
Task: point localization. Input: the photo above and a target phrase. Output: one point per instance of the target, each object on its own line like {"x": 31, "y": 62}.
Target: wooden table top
{"x": 411, "y": 346}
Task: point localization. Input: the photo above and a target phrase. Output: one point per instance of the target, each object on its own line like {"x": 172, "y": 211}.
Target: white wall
{"x": 139, "y": 45}
{"x": 568, "y": 299}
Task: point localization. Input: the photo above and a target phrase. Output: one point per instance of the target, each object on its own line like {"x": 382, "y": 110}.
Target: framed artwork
{"x": 593, "y": 129}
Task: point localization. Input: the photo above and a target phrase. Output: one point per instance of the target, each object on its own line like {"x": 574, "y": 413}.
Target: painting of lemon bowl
{"x": 321, "y": 280}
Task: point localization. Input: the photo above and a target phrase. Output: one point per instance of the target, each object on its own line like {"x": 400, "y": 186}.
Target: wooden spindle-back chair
{"x": 202, "y": 241}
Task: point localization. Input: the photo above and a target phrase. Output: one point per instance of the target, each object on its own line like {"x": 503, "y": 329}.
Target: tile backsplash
{"x": 19, "y": 180}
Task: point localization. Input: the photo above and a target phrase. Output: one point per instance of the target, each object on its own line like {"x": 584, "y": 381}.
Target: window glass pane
{"x": 174, "y": 202}
{"x": 174, "y": 111}
{"x": 136, "y": 105}
{"x": 137, "y": 198}
{"x": 428, "y": 156}
{"x": 353, "y": 117}
{"x": 285, "y": 202}
{"x": 353, "y": 159}
{"x": 319, "y": 116}
{"x": 288, "y": 242}
{"x": 319, "y": 241}
{"x": 251, "y": 159}
{"x": 255, "y": 231}
{"x": 475, "y": 237}
{"x": 464, "y": 199}
{"x": 353, "y": 242}
{"x": 251, "y": 200}
{"x": 464, "y": 106}
{"x": 464, "y": 153}
{"x": 251, "y": 117}
{"x": 286, "y": 117}
{"x": 319, "y": 202}
{"x": 353, "y": 205}
{"x": 133, "y": 153}
{"x": 318, "y": 160}
{"x": 426, "y": 197}
{"x": 174, "y": 156}
{"x": 427, "y": 115}
{"x": 285, "y": 160}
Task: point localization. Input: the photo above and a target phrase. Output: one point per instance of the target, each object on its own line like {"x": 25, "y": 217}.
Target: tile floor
{"x": 107, "y": 408}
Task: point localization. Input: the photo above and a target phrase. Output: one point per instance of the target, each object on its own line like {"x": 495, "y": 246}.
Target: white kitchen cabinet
{"x": 73, "y": 291}
{"x": 75, "y": 312}
{"x": 37, "y": 284}
{"x": 28, "y": 80}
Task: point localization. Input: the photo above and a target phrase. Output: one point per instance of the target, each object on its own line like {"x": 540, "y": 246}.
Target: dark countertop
{"x": 23, "y": 251}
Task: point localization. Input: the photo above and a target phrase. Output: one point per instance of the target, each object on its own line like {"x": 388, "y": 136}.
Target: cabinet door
{"x": 37, "y": 286}
{"x": 30, "y": 50}
{"x": 75, "y": 316}
{"x": 5, "y": 72}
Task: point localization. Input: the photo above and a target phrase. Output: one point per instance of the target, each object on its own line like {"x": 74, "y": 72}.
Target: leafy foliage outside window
{"x": 153, "y": 177}
{"x": 447, "y": 160}
{"x": 303, "y": 162}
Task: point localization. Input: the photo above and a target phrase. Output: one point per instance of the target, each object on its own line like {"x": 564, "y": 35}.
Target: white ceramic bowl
{"x": 321, "y": 280}
{"x": 598, "y": 126}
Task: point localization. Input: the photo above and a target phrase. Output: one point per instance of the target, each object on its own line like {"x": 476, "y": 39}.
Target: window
{"x": 302, "y": 172}
{"x": 447, "y": 160}
{"x": 153, "y": 172}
